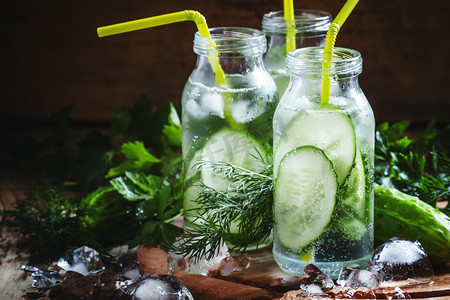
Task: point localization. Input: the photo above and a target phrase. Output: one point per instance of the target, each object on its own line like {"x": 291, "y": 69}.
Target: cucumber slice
{"x": 328, "y": 128}
{"x": 353, "y": 228}
{"x": 230, "y": 146}
{"x": 304, "y": 196}
{"x": 227, "y": 145}
{"x": 353, "y": 192}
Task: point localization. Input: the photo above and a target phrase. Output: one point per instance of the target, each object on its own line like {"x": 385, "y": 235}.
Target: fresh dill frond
{"x": 246, "y": 204}
{"x": 49, "y": 220}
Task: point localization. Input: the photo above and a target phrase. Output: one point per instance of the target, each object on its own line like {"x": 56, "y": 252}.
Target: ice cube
{"x": 312, "y": 289}
{"x": 160, "y": 287}
{"x": 201, "y": 106}
{"x": 314, "y": 281}
{"x": 358, "y": 278}
{"x": 202, "y": 266}
{"x": 230, "y": 264}
{"x": 313, "y": 275}
{"x": 245, "y": 111}
{"x": 400, "y": 258}
{"x": 43, "y": 279}
{"x": 131, "y": 271}
{"x": 83, "y": 260}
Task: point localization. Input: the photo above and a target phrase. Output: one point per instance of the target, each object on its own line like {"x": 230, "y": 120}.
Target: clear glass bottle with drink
{"x": 310, "y": 29}
{"x": 323, "y": 166}
{"x": 228, "y": 117}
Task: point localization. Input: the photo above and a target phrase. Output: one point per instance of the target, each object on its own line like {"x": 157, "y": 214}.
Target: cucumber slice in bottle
{"x": 227, "y": 145}
{"x": 328, "y": 128}
{"x": 353, "y": 192}
{"x": 304, "y": 196}
{"x": 353, "y": 228}
{"x": 233, "y": 147}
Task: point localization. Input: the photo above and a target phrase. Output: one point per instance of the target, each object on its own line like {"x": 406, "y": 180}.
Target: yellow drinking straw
{"x": 185, "y": 15}
{"x": 330, "y": 40}
{"x": 290, "y": 21}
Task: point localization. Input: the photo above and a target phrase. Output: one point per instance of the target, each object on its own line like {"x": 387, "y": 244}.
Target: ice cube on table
{"x": 43, "y": 279}
{"x": 83, "y": 260}
{"x": 400, "y": 258}
{"x": 230, "y": 264}
{"x": 203, "y": 266}
{"x": 355, "y": 278}
{"x": 313, "y": 275}
{"x": 160, "y": 287}
{"x": 314, "y": 281}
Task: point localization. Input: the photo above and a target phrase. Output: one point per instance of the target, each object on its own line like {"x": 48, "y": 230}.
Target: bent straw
{"x": 185, "y": 15}
{"x": 290, "y": 21}
{"x": 330, "y": 40}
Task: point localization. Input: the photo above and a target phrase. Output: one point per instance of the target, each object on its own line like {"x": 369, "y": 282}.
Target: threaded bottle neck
{"x": 233, "y": 41}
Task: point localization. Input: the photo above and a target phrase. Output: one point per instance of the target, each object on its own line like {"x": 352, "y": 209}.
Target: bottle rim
{"x": 239, "y": 41}
{"x": 346, "y": 62}
{"x": 314, "y": 22}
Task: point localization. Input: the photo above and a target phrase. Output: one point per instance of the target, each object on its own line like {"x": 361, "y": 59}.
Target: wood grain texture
{"x": 51, "y": 55}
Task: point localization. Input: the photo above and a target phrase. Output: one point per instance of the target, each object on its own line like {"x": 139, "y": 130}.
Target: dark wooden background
{"x": 51, "y": 55}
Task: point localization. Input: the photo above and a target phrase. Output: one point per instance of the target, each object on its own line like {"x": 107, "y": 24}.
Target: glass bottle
{"x": 225, "y": 119}
{"x": 323, "y": 166}
{"x": 311, "y": 27}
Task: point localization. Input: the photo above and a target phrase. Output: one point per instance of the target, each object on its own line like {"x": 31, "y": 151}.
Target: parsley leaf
{"x": 138, "y": 159}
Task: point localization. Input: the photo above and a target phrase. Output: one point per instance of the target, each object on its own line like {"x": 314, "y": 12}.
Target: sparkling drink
{"x": 229, "y": 121}
{"x": 323, "y": 166}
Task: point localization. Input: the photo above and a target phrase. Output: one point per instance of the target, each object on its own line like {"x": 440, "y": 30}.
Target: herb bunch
{"x": 417, "y": 166}
{"x": 125, "y": 183}
{"x": 246, "y": 203}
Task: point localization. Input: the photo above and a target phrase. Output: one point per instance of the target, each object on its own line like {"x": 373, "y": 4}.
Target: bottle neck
{"x": 310, "y": 29}
{"x": 345, "y": 63}
{"x": 232, "y": 64}
{"x": 237, "y": 50}
{"x": 307, "y": 23}
{"x": 231, "y": 41}
{"x": 307, "y": 71}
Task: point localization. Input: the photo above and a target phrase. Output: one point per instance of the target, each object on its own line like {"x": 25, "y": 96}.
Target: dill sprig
{"x": 245, "y": 203}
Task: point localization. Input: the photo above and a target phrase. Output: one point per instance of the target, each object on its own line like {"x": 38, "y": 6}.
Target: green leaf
{"x": 137, "y": 186}
{"x": 156, "y": 234}
{"x": 396, "y": 130}
{"x": 402, "y": 143}
{"x": 138, "y": 159}
{"x": 109, "y": 216}
{"x": 172, "y": 132}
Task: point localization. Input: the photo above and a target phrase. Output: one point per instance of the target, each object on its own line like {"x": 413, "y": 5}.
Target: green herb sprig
{"x": 417, "y": 166}
{"x": 246, "y": 202}
{"x": 124, "y": 183}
